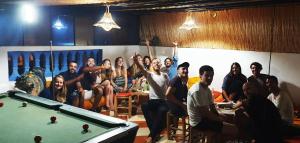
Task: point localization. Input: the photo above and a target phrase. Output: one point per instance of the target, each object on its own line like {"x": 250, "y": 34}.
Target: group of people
{"x": 263, "y": 109}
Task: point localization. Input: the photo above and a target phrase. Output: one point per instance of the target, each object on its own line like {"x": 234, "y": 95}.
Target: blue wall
{"x": 10, "y": 30}
{"x": 14, "y": 33}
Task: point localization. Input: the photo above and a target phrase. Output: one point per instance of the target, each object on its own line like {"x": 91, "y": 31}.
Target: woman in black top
{"x": 233, "y": 83}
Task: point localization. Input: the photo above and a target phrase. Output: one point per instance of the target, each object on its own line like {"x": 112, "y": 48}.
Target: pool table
{"x": 22, "y": 124}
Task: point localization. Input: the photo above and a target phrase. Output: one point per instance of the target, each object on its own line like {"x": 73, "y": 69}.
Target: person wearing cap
{"x": 177, "y": 93}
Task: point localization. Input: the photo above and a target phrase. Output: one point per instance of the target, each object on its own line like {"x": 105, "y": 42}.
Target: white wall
{"x": 283, "y": 65}
{"x": 221, "y": 61}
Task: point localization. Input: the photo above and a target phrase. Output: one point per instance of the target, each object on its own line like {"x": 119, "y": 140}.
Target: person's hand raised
{"x": 175, "y": 43}
{"x": 135, "y": 59}
{"x": 147, "y": 42}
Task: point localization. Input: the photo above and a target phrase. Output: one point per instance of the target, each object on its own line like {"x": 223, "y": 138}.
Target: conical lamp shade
{"x": 58, "y": 24}
{"x": 188, "y": 24}
{"x": 106, "y": 22}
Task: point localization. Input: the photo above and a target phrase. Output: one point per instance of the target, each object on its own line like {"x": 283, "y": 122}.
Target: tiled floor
{"x": 143, "y": 131}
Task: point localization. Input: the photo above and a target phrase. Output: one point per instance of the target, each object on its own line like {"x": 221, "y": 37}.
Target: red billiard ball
{"x": 53, "y": 119}
{"x": 37, "y": 139}
{"x": 1, "y": 104}
{"x": 85, "y": 127}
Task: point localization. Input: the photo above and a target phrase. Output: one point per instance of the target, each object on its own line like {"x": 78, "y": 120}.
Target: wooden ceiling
{"x": 157, "y": 5}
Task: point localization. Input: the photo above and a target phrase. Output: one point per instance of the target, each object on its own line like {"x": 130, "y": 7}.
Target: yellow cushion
{"x": 216, "y": 94}
{"x": 192, "y": 81}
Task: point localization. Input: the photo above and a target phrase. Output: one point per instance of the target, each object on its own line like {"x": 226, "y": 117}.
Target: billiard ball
{"x": 53, "y": 119}
{"x": 24, "y": 104}
{"x": 1, "y": 104}
{"x": 85, "y": 127}
{"x": 37, "y": 139}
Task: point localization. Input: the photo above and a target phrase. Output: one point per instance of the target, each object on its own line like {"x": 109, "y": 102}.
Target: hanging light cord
{"x": 272, "y": 38}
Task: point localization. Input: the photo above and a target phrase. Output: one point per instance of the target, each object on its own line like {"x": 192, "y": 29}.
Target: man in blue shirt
{"x": 171, "y": 64}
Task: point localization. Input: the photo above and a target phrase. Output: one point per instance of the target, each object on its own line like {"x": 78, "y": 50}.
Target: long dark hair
{"x": 238, "y": 66}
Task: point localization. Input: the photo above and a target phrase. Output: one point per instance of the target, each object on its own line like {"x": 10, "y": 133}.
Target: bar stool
{"x": 171, "y": 128}
{"x": 128, "y": 106}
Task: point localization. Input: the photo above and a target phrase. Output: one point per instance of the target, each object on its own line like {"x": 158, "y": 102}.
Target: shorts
{"x": 88, "y": 94}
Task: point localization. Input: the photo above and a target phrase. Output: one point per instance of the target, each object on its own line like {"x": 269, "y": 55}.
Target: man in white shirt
{"x": 155, "y": 109}
{"x": 201, "y": 109}
{"x": 200, "y": 103}
{"x": 281, "y": 100}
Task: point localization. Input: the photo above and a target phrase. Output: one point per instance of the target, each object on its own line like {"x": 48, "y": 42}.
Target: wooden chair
{"x": 128, "y": 106}
{"x": 171, "y": 128}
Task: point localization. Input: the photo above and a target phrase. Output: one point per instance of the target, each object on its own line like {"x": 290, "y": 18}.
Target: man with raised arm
{"x": 155, "y": 108}
{"x": 170, "y": 63}
{"x": 87, "y": 87}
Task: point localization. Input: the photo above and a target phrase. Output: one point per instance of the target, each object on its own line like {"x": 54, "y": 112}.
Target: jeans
{"x": 155, "y": 111}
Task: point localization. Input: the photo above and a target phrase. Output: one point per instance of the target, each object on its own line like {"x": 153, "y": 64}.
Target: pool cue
{"x": 51, "y": 64}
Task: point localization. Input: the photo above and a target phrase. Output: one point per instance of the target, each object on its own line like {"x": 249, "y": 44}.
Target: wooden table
{"x": 227, "y": 115}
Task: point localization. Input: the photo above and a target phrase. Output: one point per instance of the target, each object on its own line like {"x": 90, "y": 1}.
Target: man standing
{"x": 155, "y": 109}
{"x": 177, "y": 93}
